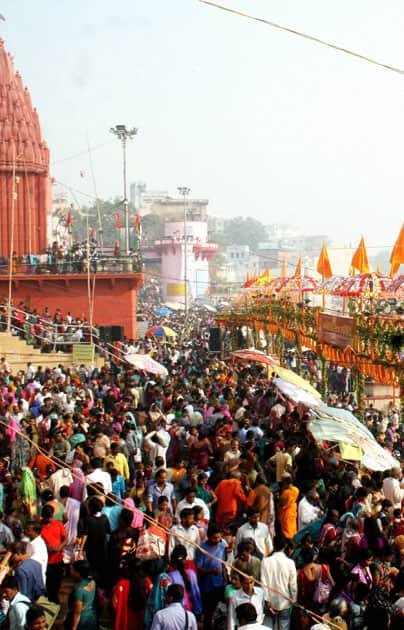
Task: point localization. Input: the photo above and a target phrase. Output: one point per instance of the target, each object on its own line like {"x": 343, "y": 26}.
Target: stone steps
{"x": 18, "y": 353}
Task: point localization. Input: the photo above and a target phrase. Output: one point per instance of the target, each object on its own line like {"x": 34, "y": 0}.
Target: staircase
{"x": 18, "y": 353}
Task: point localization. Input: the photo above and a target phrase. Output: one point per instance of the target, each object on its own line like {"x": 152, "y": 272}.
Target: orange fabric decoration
{"x": 323, "y": 264}
{"x": 360, "y": 258}
{"x": 397, "y": 254}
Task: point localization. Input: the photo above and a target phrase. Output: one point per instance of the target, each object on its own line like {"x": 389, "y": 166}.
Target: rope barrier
{"x": 312, "y": 38}
{"x": 60, "y": 464}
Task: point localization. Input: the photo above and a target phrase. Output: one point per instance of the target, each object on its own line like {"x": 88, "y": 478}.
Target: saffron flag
{"x": 264, "y": 278}
{"x": 360, "y": 258}
{"x": 284, "y": 271}
{"x": 298, "y": 270}
{"x": 397, "y": 254}
{"x": 323, "y": 264}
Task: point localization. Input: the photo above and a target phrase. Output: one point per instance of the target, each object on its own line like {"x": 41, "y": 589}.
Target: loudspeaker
{"x": 215, "y": 339}
{"x": 105, "y": 333}
{"x": 116, "y": 333}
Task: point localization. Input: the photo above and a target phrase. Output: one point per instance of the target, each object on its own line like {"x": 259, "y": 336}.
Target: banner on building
{"x": 336, "y": 330}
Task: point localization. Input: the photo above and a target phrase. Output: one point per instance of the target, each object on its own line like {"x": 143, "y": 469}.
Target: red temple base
{"x": 115, "y": 296}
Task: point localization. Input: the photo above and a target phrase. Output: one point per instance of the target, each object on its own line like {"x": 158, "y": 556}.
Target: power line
{"x": 72, "y": 157}
{"x": 312, "y": 38}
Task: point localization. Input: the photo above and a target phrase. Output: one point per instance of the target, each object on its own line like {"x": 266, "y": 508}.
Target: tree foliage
{"x": 244, "y": 231}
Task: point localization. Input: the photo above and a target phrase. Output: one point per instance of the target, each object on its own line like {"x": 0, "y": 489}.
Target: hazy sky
{"x": 260, "y": 122}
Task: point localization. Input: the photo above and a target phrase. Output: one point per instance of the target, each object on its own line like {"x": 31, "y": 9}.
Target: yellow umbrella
{"x": 295, "y": 379}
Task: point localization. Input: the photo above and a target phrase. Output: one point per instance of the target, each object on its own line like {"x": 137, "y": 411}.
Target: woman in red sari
{"x": 129, "y": 598}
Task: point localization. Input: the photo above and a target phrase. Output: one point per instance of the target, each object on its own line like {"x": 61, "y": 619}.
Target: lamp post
{"x": 184, "y": 191}
{"x": 123, "y": 134}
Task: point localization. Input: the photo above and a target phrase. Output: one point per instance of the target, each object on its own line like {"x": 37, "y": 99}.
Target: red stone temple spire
{"x": 22, "y": 148}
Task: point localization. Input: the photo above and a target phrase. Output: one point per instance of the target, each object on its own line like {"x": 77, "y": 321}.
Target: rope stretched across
{"x": 60, "y": 464}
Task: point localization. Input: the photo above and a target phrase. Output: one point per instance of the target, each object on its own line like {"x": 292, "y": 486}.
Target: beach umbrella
{"x": 160, "y": 331}
{"x": 256, "y": 356}
{"x": 298, "y": 394}
{"x": 291, "y": 377}
{"x": 175, "y": 306}
{"x": 332, "y": 424}
{"x": 162, "y": 311}
{"x": 147, "y": 363}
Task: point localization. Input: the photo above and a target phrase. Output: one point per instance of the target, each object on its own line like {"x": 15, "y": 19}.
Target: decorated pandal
{"x": 363, "y": 330}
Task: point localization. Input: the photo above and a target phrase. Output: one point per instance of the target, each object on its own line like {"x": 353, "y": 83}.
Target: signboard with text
{"x": 336, "y": 330}
{"x": 83, "y": 353}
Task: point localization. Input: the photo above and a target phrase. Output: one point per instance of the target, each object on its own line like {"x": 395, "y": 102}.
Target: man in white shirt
{"x": 97, "y": 475}
{"x": 36, "y": 548}
{"x": 157, "y": 442}
{"x": 393, "y": 489}
{"x": 189, "y": 502}
{"x": 188, "y": 530}
{"x": 279, "y": 575}
{"x": 248, "y": 593}
{"x": 307, "y": 510}
{"x": 256, "y": 531}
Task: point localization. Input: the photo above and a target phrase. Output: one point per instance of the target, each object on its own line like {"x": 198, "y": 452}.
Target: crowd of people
{"x": 46, "y": 330}
{"x": 196, "y": 501}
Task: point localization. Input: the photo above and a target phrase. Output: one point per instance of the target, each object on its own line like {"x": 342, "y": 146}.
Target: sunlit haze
{"x": 262, "y": 123}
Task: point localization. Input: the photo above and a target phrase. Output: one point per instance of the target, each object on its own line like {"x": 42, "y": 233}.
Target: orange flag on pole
{"x": 323, "y": 264}
{"x": 360, "y": 258}
{"x": 284, "y": 271}
{"x": 397, "y": 254}
{"x": 264, "y": 279}
{"x": 298, "y": 270}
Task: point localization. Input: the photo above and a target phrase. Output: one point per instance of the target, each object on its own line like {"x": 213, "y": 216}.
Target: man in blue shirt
{"x": 160, "y": 487}
{"x": 211, "y": 572}
{"x": 174, "y": 616}
{"x": 27, "y": 571}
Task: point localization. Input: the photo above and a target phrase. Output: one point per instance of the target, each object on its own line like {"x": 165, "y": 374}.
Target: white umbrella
{"x": 175, "y": 306}
{"x": 296, "y": 393}
{"x": 147, "y": 363}
{"x": 340, "y": 425}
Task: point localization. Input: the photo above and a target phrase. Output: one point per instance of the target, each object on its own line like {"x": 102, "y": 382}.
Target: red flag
{"x": 68, "y": 219}
{"x": 137, "y": 222}
{"x": 118, "y": 221}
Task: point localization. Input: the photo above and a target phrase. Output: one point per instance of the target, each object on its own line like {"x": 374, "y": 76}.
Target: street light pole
{"x": 184, "y": 191}
{"x": 123, "y": 134}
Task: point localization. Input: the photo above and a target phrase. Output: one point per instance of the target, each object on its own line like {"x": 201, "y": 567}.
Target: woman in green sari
{"x": 27, "y": 492}
{"x": 82, "y": 614}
